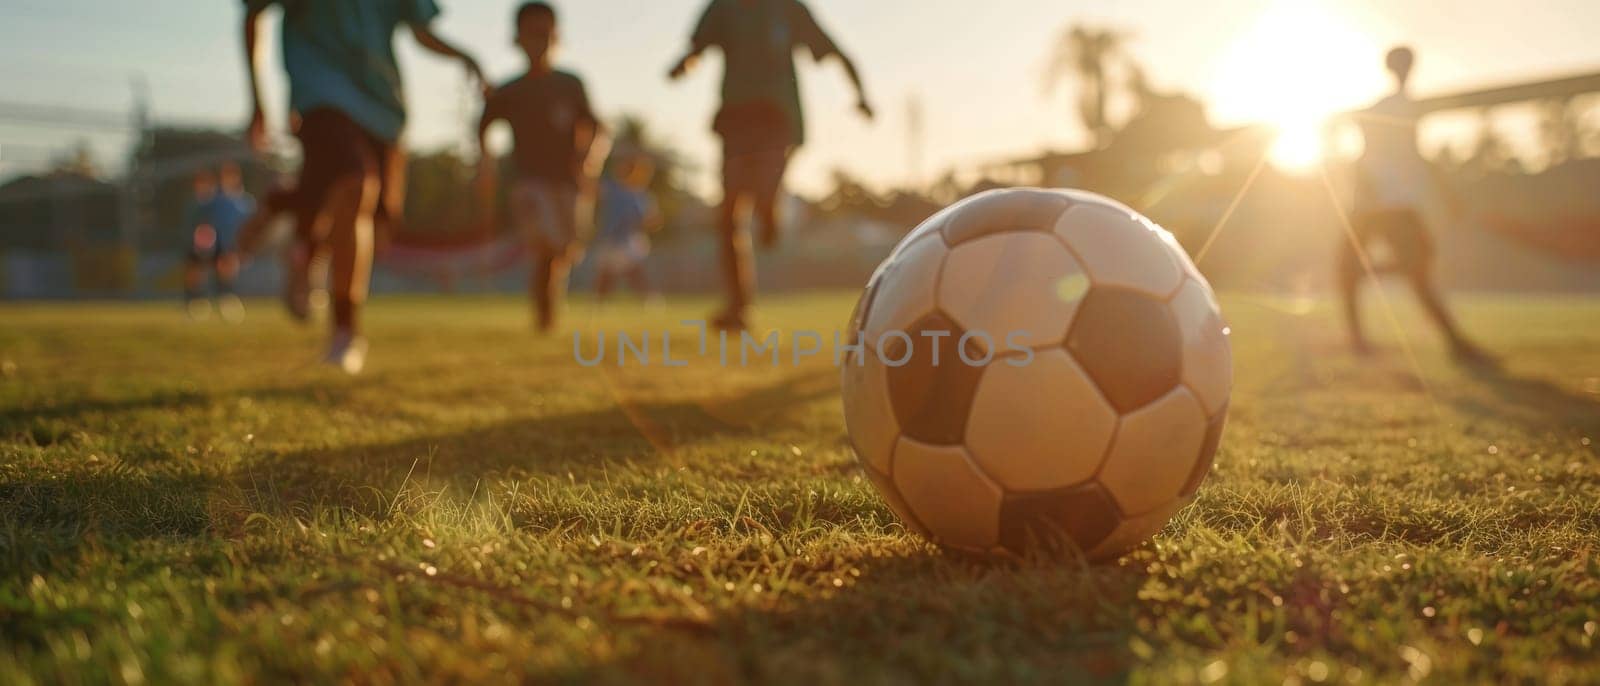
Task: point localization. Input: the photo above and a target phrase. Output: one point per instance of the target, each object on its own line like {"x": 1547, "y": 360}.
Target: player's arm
{"x": 705, "y": 35}
{"x": 256, "y": 131}
{"x": 439, "y": 46}
{"x": 486, "y": 163}
{"x": 491, "y": 114}
{"x": 589, "y": 140}
{"x": 592, "y": 145}
{"x": 811, "y": 35}
{"x": 862, "y": 103}
{"x": 687, "y": 62}
{"x": 653, "y": 221}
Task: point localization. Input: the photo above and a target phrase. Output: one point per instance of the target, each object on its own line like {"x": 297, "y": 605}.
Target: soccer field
{"x": 199, "y": 503}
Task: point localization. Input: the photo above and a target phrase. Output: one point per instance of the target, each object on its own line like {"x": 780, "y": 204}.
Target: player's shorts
{"x": 755, "y": 148}
{"x": 1400, "y": 233}
{"x": 208, "y": 258}
{"x": 207, "y": 248}
{"x": 547, "y": 213}
{"x": 334, "y": 148}
{"x": 620, "y": 257}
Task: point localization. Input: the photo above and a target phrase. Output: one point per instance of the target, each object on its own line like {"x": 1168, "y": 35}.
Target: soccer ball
{"x": 1030, "y": 367}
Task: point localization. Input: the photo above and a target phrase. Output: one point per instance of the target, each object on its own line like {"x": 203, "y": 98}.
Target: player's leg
{"x": 1348, "y": 275}
{"x": 255, "y": 231}
{"x": 1421, "y": 279}
{"x": 738, "y": 263}
{"x": 194, "y": 274}
{"x": 527, "y": 216}
{"x": 228, "y": 303}
{"x": 334, "y": 150}
{"x": 605, "y": 277}
{"x": 557, "y": 276}
{"x": 351, "y": 203}
{"x": 765, "y": 217}
{"x": 1428, "y": 293}
{"x": 1415, "y": 261}
{"x": 306, "y": 255}
{"x": 639, "y": 279}
{"x": 539, "y": 288}
{"x": 733, "y": 241}
{"x": 548, "y": 288}
{"x": 768, "y": 168}
{"x": 304, "y": 259}
{"x": 344, "y": 170}
{"x": 564, "y": 217}
{"x": 388, "y": 218}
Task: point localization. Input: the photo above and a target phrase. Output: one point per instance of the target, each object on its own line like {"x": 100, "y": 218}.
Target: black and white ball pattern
{"x": 1104, "y": 433}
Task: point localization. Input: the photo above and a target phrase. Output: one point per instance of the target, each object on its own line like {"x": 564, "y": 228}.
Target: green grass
{"x": 197, "y": 503}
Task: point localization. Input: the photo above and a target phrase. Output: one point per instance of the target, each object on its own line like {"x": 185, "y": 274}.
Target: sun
{"x": 1297, "y": 64}
{"x": 1298, "y": 145}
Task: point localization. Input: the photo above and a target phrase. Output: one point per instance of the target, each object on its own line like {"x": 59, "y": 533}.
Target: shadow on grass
{"x": 45, "y": 521}
{"x": 1041, "y": 621}
{"x": 45, "y": 518}
{"x": 579, "y": 445}
{"x": 50, "y": 424}
{"x": 1537, "y": 403}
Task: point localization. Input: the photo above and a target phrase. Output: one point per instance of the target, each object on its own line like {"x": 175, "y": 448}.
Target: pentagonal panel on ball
{"x": 1132, "y": 531}
{"x": 1119, "y": 250}
{"x": 868, "y": 415}
{"x": 932, "y": 225}
{"x": 1039, "y": 427}
{"x": 1130, "y": 345}
{"x": 1004, "y": 210}
{"x": 947, "y": 493}
{"x": 1083, "y": 514}
{"x": 1154, "y": 452}
{"x": 1019, "y": 286}
{"x": 1207, "y": 359}
{"x": 907, "y": 282}
{"x": 931, "y": 386}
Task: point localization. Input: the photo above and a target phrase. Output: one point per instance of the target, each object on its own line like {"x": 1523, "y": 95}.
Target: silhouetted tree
{"x": 1086, "y": 54}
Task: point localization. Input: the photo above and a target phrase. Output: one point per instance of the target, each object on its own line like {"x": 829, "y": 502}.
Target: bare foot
{"x": 730, "y": 320}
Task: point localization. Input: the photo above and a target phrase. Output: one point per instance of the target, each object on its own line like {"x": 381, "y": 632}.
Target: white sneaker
{"x": 197, "y": 310}
{"x": 348, "y": 352}
{"x": 231, "y": 308}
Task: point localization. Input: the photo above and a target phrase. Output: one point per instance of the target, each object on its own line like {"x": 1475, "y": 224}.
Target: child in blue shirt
{"x": 626, "y": 214}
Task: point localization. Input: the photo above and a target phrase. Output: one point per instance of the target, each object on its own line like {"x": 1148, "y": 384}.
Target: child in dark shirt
{"x": 554, "y": 131}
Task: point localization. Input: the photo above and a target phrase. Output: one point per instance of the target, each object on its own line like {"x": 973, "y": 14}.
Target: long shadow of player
{"x": 579, "y": 445}
{"x": 1537, "y": 403}
{"x": 1019, "y": 622}
{"x": 48, "y": 424}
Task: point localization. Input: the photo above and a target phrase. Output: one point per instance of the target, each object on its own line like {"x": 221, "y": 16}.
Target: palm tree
{"x": 1085, "y": 54}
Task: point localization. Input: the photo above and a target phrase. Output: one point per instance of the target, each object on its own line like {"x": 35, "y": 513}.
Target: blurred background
{"x": 1213, "y": 121}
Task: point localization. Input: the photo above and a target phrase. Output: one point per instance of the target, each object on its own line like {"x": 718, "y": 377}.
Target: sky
{"x": 976, "y": 68}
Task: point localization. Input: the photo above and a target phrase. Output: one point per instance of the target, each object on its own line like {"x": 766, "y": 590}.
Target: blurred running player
{"x": 760, "y": 120}
{"x": 229, "y": 209}
{"x": 625, "y": 216}
{"x": 1394, "y": 184}
{"x": 202, "y": 246}
{"x": 554, "y": 154}
{"x": 345, "y": 91}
